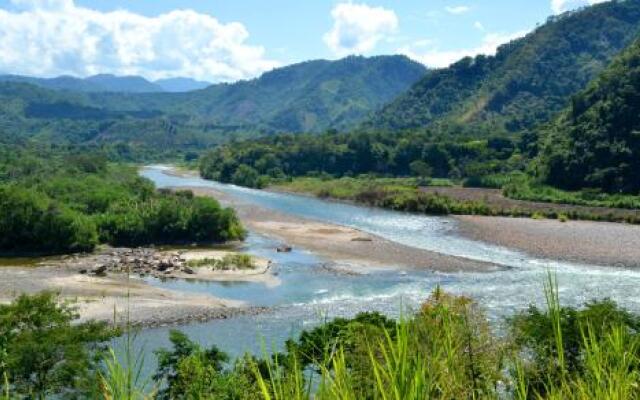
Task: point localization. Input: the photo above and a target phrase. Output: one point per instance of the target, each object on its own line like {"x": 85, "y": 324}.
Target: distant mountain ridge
{"x": 307, "y": 97}
{"x": 526, "y": 82}
{"x": 110, "y": 83}
{"x": 312, "y": 96}
{"x": 177, "y": 85}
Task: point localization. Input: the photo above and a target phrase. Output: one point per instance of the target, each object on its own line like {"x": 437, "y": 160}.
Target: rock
{"x": 101, "y": 270}
{"x": 284, "y": 249}
{"x": 83, "y": 271}
{"x": 164, "y": 265}
{"x": 188, "y": 270}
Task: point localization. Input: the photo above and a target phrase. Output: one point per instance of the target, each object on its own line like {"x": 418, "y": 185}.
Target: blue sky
{"x": 236, "y": 39}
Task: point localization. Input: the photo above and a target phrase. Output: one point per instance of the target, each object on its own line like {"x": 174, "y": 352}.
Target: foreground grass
{"x": 404, "y": 194}
{"x": 445, "y": 350}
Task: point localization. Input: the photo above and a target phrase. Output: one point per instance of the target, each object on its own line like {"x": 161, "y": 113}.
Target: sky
{"x": 228, "y": 40}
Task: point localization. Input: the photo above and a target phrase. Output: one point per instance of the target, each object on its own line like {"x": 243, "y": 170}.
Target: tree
{"x": 44, "y": 352}
{"x": 421, "y": 169}
{"x": 188, "y": 370}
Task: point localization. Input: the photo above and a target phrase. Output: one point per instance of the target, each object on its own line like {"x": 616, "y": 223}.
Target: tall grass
{"x": 122, "y": 378}
{"x": 5, "y": 387}
{"x": 447, "y": 350}
{"x": 283, "y": 382}
{"x": 439, "y": 354}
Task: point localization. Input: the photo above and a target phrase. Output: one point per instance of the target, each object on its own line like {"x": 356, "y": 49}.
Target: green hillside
{"x": 596, "y": 141}
{"x": 307, "y": 97}
{"x": 311, "y": 96}
{"x": 527, "y": 82}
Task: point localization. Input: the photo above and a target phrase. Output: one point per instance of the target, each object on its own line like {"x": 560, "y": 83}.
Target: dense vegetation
{"x": 45, "y": 352}
{"x": 595, "y": 143}
{"x": 255, "y": 162}
{"x": 71, "y": 201}
{"x": 526, "y": 83}
{"x": 445, "y": 350}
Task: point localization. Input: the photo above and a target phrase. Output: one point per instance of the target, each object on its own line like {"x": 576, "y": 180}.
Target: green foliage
{"x": 445, "y": 350}
{"x": 525, "y": 83}
{"x": 191, "y": 372}
{"x": 566, "y": 353}
{"x": 595, "y": 143}
{"x": 69, "y": 202}
{"x": 44, "y": 352}
{"x": 228, "y": 262}
{"x": 32, "y": 222}
{"x": 404, "y": 154}
{"x": 528, "y": 189}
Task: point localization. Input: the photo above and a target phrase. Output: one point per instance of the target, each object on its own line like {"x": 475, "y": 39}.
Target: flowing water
{"x": 310, "y": 293}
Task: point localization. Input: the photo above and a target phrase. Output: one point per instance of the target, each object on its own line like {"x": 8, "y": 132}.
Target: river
{"x": 310, "y": 293}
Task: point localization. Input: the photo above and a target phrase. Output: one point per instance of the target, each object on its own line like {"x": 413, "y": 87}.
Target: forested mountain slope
{"x": 307, "y": 97}
{"x": 96, "y": 83}
{"x": 596, "y": 140}
{"x": 311, "y": 96}
{"x": 527, "y": 82}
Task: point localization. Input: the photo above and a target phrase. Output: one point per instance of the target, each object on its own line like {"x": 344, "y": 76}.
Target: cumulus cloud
{"x": 436, "y": 58}
{"x": 357, "y": 28}
{"x": 560, "y": 6}
{"x": 56, "y": 37}
{"x": 457, "y": 9}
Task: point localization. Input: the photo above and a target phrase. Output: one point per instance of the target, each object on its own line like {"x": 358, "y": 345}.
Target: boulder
{"x": 284, "y": 249}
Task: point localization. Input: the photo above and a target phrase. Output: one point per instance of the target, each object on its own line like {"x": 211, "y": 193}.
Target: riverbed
{"x": 313, "y": 287}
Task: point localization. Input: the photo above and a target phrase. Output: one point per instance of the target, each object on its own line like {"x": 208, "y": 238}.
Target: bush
{"x": 44, "y": 352}
{"x": 31, "y": 222}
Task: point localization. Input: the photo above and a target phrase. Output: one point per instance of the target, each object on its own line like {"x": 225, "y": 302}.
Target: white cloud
{"x": 357, "y": 28}
{"x": 436, "y": 58}
{"x": 55, "y": 37}
{"x": 560, "y": 6}
{"x": 457, "y": 9}
{"x": 478, "y": 25}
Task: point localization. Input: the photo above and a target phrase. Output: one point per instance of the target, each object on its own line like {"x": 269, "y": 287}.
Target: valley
{"x": 182, "y": 216}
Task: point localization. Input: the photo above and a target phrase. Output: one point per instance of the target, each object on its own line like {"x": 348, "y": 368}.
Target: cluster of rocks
{"x": 142, "y": 261}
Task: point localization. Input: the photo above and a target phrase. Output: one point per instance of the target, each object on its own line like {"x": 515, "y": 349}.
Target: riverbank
{"x": 402, "y": 195}
{"x": 339, "y": 244}
{"x": 111, "y": 296}
{"x": 597, "y": 243}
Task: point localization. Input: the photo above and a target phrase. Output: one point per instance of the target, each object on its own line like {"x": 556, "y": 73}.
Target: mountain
{"x": 60, "y": 83}
{"x": 311, "y": 96}
{"x": 96, "y": 83}
{"x": 177, "y": 85}
{"x": 123, "y": 84}
{"x": 307, "y": 97}
{"x": 595, "y": 142}
{"x": 526, "y": 82}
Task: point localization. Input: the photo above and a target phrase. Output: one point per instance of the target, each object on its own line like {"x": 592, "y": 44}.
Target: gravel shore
{"x": 597, "y": 243}
{"x": 113, "y": 297}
